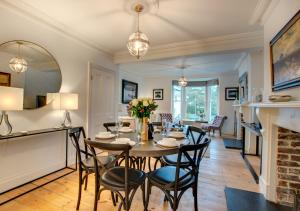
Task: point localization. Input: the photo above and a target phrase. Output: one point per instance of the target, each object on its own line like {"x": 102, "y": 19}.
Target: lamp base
{"x": 67, "y": 121}
{"x": 4, "y": 116}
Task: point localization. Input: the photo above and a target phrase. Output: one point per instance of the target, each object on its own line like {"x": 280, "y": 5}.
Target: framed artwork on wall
{"x": 243, "y": 88}
{"x": 231, "y": 93}
{"x": 129, "y": 91}
{"x": 158, "y": 94}
{"x": 5, "y": 79}
{"x": 285, "y": 56}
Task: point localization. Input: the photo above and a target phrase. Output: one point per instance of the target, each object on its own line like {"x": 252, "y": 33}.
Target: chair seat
{"x": 115, "y": 177}
{"x": 89, "y": 162}
{"x": 167, "y": 174}
{"x": 172, "y": 160}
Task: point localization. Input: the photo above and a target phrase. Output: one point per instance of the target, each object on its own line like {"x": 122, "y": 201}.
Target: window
{"x": 197, "y": 101}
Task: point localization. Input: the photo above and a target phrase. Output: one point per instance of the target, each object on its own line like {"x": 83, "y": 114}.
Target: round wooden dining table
{"x": 148, "y": 148}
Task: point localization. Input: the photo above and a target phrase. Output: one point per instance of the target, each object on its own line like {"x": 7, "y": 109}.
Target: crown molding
{"x": 269, "y": 11}
{"x": 31, "y": 12}
{"x": 210, "y": 45}
{"x": 260, "y": 9}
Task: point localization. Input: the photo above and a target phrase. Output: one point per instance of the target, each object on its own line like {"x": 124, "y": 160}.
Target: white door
{"x": 102, "y": 99}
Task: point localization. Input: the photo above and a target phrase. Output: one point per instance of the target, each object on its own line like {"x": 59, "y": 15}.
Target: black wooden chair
{"x": 195, "y": 134}
{"x": 85, "y": 159}
{"x": 116, "y": 178}
{"x": 178, "y": 179}
{"x": 109, "y": 125}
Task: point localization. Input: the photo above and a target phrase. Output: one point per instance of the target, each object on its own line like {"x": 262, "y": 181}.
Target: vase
{"x": 142, "y": 128}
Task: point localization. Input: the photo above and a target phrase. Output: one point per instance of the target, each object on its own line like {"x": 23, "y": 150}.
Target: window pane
{"x": 195, "y": 102}
{"x": 177, "y": 102}
{"x": 213, "y": 101}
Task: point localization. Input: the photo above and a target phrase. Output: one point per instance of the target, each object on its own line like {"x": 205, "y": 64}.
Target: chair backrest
{"x": 219, "y": 121}
{"x": 108, "y": 125}
{"x": 192, "y": 169}
{"x": 166, "y": 116}
{"x": 75, "y": 135}
{"x": 195, "y": 134}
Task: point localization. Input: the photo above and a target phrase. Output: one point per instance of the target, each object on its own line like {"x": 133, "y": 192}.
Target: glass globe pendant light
{"x": 138, "y": 43}
{"x": 18, "y": 64}
{"x": 182, "y": 81}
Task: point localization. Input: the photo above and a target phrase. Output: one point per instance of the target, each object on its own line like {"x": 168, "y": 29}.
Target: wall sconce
{"x": 11, "y": 100}
{"x": 64, "y": 101}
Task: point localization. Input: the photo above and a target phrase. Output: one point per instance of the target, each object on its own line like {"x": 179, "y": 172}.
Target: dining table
{"x": 147, "y": 149}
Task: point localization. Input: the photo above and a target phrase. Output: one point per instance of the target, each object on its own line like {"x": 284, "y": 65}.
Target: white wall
{"x": 280, "y": 15}
{"x": 24, "y": 158}
{"x": 226, "y": 80}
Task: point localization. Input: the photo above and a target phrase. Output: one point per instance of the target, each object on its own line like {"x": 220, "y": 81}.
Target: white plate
{"x": 125, "y": 129}
{"x": 123, "y": 141}
{"x": 176, "y": 135}
{"x": 168, "y": 142}
{"x": 105, "y": 136}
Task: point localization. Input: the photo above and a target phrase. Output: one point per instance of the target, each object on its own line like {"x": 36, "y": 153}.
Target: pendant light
{"x": 18, "y": 64}
{"x": 182, "y": 81}
{"x": 138, "y": 43}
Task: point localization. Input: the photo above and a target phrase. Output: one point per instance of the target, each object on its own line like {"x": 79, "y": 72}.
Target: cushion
{"x": 172, "y": 159}
{"x": 166, "y": 175}
{"x": 116, "y": 177}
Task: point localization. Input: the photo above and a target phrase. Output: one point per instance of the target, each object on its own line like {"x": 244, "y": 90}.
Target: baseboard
{"x": 17, "y": 180}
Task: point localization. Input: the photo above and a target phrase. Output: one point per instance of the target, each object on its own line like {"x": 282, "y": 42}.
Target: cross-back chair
{"x": 178, "y": 179}
{"x": 117, "y": 179}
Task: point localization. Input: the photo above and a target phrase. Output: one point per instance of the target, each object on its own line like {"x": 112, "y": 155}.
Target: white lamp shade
{"x": 63, "y": 101}
{"x": 11, "y": 99}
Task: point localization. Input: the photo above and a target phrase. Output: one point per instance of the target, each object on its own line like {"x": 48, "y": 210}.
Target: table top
{"x": 148, "y": 148}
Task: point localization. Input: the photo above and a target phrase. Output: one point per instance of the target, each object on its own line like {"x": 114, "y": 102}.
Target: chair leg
{"x": 113, "y": 198}
{"x": 147, "y": 195}
{"x": 79, "y": 190}
{"x": 195, "y": 194}
{"x": 220, "y": 132}
{"x": 97, "y": 186}
{"x": 143, "y": 194}
{"x": 86, "y": 181}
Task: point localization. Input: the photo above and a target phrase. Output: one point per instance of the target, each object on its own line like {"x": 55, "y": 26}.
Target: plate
{"x": 176, "y": 134}
{"x": 125, "y": 129}
{"x": 123, "y": 141}
{"x": 168, "y": 142}
{"x": 105, "y": 135}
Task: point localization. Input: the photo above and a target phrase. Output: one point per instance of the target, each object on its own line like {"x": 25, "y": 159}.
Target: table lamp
{"x": 11, "y": 99}
{"x": 64, "y": 101}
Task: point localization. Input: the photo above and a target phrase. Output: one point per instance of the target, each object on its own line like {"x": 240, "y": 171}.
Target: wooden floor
{"x": 225, "y": 167}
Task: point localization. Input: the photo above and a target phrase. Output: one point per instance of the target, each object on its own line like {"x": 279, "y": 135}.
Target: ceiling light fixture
{"x": 18, "y": 64}
{"x": 138, "y": 43}
{"x": 182, "y": 81}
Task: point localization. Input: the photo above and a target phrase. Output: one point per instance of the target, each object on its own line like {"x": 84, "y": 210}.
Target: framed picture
{"x": 231, "y": 93}
{"x": 158, "y": 94}
{"x": 129, "y": 91}
{"x": 285, "y": 56}
{"x": 5, "y": 79}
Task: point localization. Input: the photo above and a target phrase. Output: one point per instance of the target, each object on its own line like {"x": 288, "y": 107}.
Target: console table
{"x": 250, "y": 127}
{"x": 17, "y": 135}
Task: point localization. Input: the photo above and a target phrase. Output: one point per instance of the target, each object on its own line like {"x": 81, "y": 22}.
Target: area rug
{"x": 241, "y": 200}
{"x": 232, "y": 143}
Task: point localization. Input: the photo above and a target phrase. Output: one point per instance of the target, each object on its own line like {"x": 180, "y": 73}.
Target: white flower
{"x": 145, "y": 103}
{"x": 134, "y": 102}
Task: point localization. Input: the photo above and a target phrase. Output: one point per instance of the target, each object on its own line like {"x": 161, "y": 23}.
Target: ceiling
{"x": 108, "y": 24}
{"x": 205, "y": 65}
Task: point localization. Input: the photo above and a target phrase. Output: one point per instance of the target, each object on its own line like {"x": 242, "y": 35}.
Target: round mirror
{"x": 29, "y": 66}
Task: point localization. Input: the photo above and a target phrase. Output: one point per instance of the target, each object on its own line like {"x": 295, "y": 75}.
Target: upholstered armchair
{"x": 217, "y": 124}
{"x": 166, "y": 116}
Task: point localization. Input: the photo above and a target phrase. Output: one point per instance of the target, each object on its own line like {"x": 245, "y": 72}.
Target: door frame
{"x": 95, "y": 67}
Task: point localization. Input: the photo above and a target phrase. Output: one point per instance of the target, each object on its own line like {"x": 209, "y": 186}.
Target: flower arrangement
{"x": 142, "y": 107}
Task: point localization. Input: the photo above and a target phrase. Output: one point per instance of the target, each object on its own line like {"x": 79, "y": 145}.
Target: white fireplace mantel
{"x": 272, "y": 116}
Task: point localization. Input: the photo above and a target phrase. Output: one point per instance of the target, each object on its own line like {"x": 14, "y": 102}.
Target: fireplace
{"x": 288, "y": 166}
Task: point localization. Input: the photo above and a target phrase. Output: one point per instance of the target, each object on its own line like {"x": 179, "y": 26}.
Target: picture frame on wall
{"x": 158, "y": 94}
{"x": 231, "y": 93}
{"x": 5, "y": 79}
{"x": 129, "y": 91}
{"x": 285, "y": 56}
